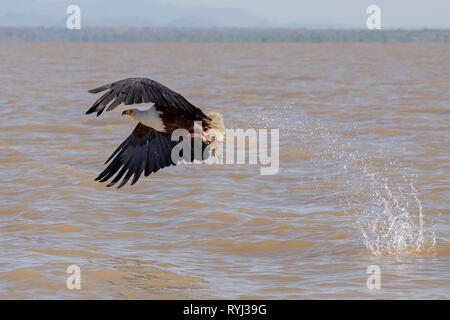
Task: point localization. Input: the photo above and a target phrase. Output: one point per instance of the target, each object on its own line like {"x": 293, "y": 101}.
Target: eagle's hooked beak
{"x": 127, "y": 112}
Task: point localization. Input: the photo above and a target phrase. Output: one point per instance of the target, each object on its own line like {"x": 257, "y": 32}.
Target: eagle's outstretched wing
{"x": 140, "y": 90}
{"x": 145, "y": 150}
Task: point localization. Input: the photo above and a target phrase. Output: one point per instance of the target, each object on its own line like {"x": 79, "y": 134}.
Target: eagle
{"x": 149, "y": 147}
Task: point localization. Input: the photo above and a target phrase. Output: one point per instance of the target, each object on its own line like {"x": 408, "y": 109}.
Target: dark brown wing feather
{"x": 140, "y": 90}
{"x": 144, "y": 151}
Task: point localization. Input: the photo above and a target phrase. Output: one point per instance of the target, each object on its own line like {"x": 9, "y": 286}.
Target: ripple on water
{"x": 363, "y": 174}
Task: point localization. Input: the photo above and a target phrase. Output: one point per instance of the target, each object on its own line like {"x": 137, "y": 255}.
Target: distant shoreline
{"x": 220, "y": 35}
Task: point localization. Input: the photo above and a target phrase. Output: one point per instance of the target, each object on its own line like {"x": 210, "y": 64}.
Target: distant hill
{"x": 194, "y": 22}
{"x": 139, "y": 13}
{"x": 35, "y": 20}
{"x": 131, "y": 13}
{"x": 121, "y": 22}
{"x": 316, "y": 25}
{"x": 30, "y": 20}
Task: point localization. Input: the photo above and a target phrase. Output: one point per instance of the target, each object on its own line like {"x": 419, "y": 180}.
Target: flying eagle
{"x": 149, "y": 146}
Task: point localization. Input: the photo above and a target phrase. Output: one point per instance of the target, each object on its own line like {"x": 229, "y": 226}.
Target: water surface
{"x": 363, "y": 178}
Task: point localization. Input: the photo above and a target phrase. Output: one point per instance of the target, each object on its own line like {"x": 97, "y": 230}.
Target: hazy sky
{"x": 394, "y": 13}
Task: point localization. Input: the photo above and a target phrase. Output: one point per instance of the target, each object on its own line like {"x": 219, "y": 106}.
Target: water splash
{"x": 384, "y": 200}
{"x": 377, "y": 191}
{"x": 393, "y": 222}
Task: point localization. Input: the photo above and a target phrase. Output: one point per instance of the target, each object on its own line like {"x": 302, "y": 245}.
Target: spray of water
{"x": 384, "y": 200}
{"x": 393, "y": 221}
{"x": 387, "y": 210}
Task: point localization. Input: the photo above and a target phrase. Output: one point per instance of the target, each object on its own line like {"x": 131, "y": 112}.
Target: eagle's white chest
{"x": 151, "y": 118}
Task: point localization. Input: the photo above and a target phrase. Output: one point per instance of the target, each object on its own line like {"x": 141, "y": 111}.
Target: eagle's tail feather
{"x": 215, "y": 131}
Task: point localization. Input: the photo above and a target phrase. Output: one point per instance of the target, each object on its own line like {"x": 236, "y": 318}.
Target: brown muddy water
{"x": 363, "y": 178}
